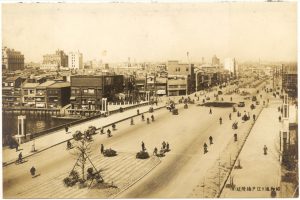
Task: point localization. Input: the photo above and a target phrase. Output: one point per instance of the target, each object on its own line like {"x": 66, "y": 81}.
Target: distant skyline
{"x": 112, "y": 32}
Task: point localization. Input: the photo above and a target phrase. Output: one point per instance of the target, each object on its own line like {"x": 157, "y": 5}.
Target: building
{"x": 87, "y": 91}
{"x": 11, "y": 91}
{"x": 177, "y": 85}
{"x": 215, "y": 61}
{"x": 58, "y": 94}
{"x": 12, "y": 60}
{"x": 29, "y": 94}
{"x": 180, "y": 69}
{"x": 75, "y": 60}
{"x": 231, "y": 65}
{"x": 290, "y": 79}
{"x": 55, "y": 61}
{"x": 41, "y": 94}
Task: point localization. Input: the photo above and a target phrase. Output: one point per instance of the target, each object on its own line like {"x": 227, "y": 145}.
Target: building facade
{"x": 290, "y": 79}
{"x": 87, "y": 91}
{"x": 55, "y": 61}
{"x": 12, "y": 60}
{"x": 75, "y": 60}
{"x": 58, "y": 94}
{"x": 11, "y": 92}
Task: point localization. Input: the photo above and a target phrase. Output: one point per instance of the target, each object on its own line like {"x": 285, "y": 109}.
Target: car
{"x": 257, "y": 102}
{"x": 241, "y": 104}
{"x": 254, "y": 98}
{"x": 220, "y": 92}
{"x": 175, "y": 111}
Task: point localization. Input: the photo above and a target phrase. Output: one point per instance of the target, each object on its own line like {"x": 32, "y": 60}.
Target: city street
{"x": 172, "y": 175}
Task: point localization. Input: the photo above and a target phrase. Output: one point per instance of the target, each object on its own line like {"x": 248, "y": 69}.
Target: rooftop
{"x": 30, "y": 85}
{"x": 45, "y": 84}
{"x": 60, "y": 85}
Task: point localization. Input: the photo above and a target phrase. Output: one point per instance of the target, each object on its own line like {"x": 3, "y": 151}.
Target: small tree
{"x": 82, "y": 151}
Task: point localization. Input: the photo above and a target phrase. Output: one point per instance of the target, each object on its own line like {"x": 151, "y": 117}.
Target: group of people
{"x": 20, "y": 160}
{"x": 205, "y": 146}
{"x": 164, "y": 148}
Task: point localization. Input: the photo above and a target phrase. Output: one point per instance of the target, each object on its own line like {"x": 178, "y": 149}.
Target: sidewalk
{"x": 259, "y": 172}
{"x": 57, "y": 137}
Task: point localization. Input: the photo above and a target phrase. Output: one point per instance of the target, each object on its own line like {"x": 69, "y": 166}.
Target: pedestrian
{"x": 108, "y": 133}
{"x": 143, "y": 146}
{"x": 32, "y": 171}
{"x": 230, "y": 116}
{"x": 220, "y": 120}
{"x": 143, "y": 118}
{"x": 164, "y": 144}
{"x": 148, "y": 120}
{"x": 138, "y": 112}
{"x": 20, "y": 157}
{"x": 152, "y": 117}
{"x": 205, "y": 147}
{"x": 155, "y": 151}
{"x": 66, "y": 128}
{"x": 254, "y": 117}
{"x": 210, "y": 111}
{"x": 102, "y": 131}
{"x": 69, "y": 145}
{"x": 102, "y": 148}
{"x": 265, "y": 150}
{"x": 279, "y": 118}
{"x": 210, "y": 140}
{"x": 131, "y": 121}
{"x": 168, "y": 146}
{"x": 113, "y": 126}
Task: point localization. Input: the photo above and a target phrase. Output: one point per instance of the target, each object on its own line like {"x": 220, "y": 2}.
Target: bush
{"x": 109, "y": 153}
{"x": 142, "y": 155}
{"x": 77, "y": 135}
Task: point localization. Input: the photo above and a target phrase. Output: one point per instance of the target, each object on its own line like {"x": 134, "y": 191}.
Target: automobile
{"x": 220, "y": 92}
{"x": 254, "y": 98}
{"x": 257, "y": 102}
{"x": 175, "y": 111}
{"x": 241, "y": 104}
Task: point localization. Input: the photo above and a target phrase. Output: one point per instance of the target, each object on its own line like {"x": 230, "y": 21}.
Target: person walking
{"x": 164, "y": 144}
{"x": 230, "y": 116}
{"x": 210, "y": 140}
{"x": 155, "y": 151}
{"x": 102, "y": 148}
{"x": 220, "y": 120}
{"x": 66, "y": 128}
{"x": 17, "y": 146}
{"x": 210, "y": 111}
{"x": 143, "y": 146}
{"x": 32, "y": 171}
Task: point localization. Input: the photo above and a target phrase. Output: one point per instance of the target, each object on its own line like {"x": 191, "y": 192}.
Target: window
{"x": 85, "y": 91}
{"x": 11, "y": 84}
{"x": 31, "y": 91}
{"x": 91, "y": 91}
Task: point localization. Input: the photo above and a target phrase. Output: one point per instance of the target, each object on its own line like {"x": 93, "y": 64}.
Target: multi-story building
{"x": 290, "y": 79}
{"x": 87, "y": 91}
{"x": 58, "y": 94}
{"x": 215, "y": 61}
{"x": 179, "y": 69}
{"x": 29, "y": 94}
{"x": 12, "y": 60}
{"x": 177, "y": 85}
{"x": 55, "y": 61}
{"x": 231, "y": 65}
{"x": 41, "y": 94}
{"x": 11, "y": 91}
{"x": 75, "y": 60}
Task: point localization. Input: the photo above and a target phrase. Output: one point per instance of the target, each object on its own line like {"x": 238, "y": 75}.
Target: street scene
{"x": 148, "y": 101}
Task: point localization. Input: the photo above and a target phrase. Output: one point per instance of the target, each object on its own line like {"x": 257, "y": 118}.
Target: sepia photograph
{"x": 149, "y": 100}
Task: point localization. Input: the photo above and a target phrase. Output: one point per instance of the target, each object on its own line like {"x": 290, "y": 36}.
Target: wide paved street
{"x": 171, "y": 176}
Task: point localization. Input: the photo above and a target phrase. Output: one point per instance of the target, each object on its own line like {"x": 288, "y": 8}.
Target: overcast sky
{"x": 153, "y": 32}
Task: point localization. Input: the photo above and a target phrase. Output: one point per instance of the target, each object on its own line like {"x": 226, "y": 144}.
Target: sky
{"x": 148, "y": 32}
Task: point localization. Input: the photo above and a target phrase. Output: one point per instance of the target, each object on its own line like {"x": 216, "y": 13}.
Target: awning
{"x": 72, "y": 98}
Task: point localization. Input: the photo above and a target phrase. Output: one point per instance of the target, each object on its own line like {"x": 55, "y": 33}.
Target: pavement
{"x": 259, "y": 172}
{"x": 174, "y": 175}
{"x": 60, "y": 136}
